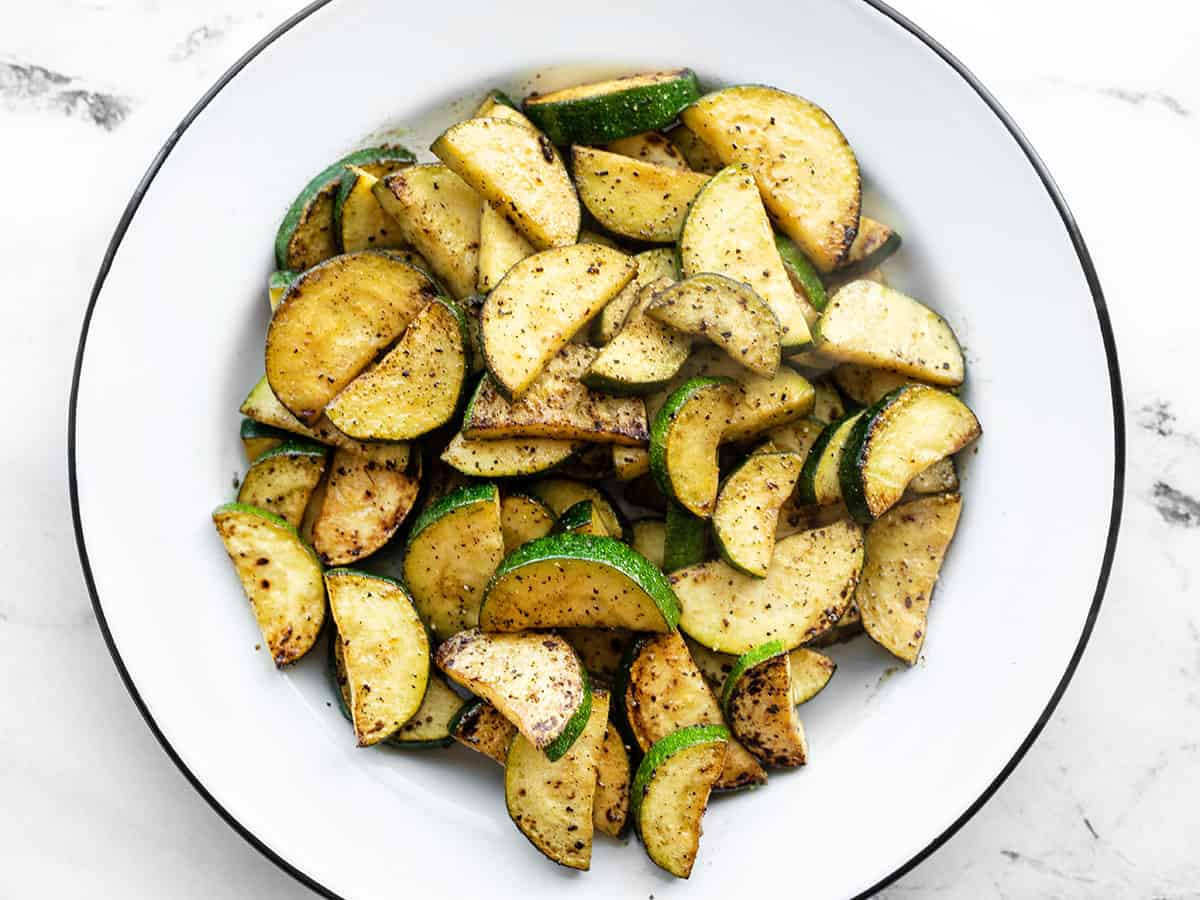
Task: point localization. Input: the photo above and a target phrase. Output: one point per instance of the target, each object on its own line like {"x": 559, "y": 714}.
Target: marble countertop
{"x": 1104, "y": 805}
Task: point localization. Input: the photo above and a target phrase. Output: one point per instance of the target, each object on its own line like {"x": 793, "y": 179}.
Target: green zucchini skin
{"x": 661, "y": 427}
{"x": 686, "y": 541}
{"x": 805, "y": 487}
{"x": 802, "y": 272}
{"x": 250, "y": 430}
{"x": 574, "y": 517}
{"x": 329, "y": 179}
{"x": 602, "y": 118}
{"x": 869, "y": 262}
{"x": 558, "y": 747}
{"x": 664, "y": 750}
{"x": 463, "y": 496}
{"x": 744, "y": 663}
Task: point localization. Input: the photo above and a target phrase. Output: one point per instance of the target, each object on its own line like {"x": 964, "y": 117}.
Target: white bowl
{"x": 173, "y": 340}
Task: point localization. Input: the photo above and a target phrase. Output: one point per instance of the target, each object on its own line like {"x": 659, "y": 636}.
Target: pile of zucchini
{"x": 619, "y": 386}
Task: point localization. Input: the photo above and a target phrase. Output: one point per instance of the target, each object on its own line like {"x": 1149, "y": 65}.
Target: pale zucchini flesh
{"x": 827, "y": 403}
{"x": 866, "y": 385}
{"x": 661, "y": 262}
{"x": 517, "y": 170}
{"x": 757, "y": 699}
{"x": 650, "y": 146}
{"x": 600, "y": 649}
{"x": 629, "y": 462}
{"x": 262, "y": 406}
{"x": 727, "y": 232}
{"x": 384, "y": 648}
{"x": 649, "y": 539}
{"x": 644, "y": 354}
{"x": 523, "y": 518}
{"x": 366, "y": 499}
{"x": 452, "y": 549}
{"x": 796, "y": 437}
{"x": 561, "y": 493}
{"x": 805, "y": 169}
{"x": 635, "y": 198}
{"x": 747, "y": 510}
{"x": 610, "y": 809}
{"x": 415, "y": 388}
{"x": 280, "y": 576}
{"x": 820, "y": 481}
{"x": 700, "y": 157}
{"x": 483, "y": 728}
{"x": 541, "y": 303}
{"x": 438, "y": 214}
{"x": 359, "y": 222}
{"x": 905, "y": 549}
{"x": 809, "y": 584}
{"x": 283, "y": 479}
{"x": 507, "y": 458}
{"x": 942, "y": 476}
{"x": 501, "y": 246}
{"x": 684, "y": 439}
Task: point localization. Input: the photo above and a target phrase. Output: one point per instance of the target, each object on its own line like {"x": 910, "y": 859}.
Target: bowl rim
{"x": 1085, "y": 262}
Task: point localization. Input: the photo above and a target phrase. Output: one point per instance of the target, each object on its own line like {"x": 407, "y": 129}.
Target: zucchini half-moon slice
{"x": 757, "y": 699}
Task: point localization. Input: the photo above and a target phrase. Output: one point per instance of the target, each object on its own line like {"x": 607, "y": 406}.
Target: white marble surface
{"x": 1104, "y": 805}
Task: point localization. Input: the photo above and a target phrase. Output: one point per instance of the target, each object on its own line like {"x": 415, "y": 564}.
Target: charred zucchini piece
{"x": 865, "y": 385}
{"x": 541, "y": 303}
{"x": 258, "y": 438}
{"x": 507, "y": 458}
{"x": 873, "y": 244}
{"x": 610, "y": 809}
{"x": 899, "y": 437}
{"x": 334, "y": 320}
{"x": 280, "y": 575}
{"x": 662, "y": 262}
{"x": 820, "y": 483}
{"x": 905, "y": 549}
{"x": 592, "y": 463}
{"x": 747, "y": 509}
{"x": 535, "y": 680}
{"x": 632, "y": 197}
{"x": 650, "y": 146}
{"x": 873, "y": 325}
{"x": 416, "y": 386}
{"x": 551, "y": 798}
{"x": 726, "y": 312}
{"x": 277, "y": 285}
{"x": 757, "y": 699}
{"x": 849, "y": 626}
{"x": 451, "y": 552}
{"x": 670, "y": 793}
{"x": 662, "y": 689}
{"x": 629, "y": 462}
{"x": 577, "y": 580}
{"x": 581, "y": 518}
{"x": 438, "y": 214}
{"x": 359, "y": 222}
{"x": 609, "y": 110}
{"x": 937, "y": 479}
{"x": 809, "y": 585}
{"x": 517, "y": 170}
{"x": 523, "y": 518}
{"x": 560, "y": 493}
{"x": 649, "y": 539}
{"x": 482, "y": 728}
{"x": 684, "y": 439}
{"x": 557, "y": 405}
{"x": 385, "y": 650}
{"x": 282, "y": 480}
{"x": 700, "y": 157}
{"x": 811, "y": 670}
{"x": 262, "y": 406}
{"x": 306, "y": 236}
{"x": 643, "y": 356}
{"x": 367, "y": 497}
{"x": 685, "y": 539}
{"x": 599, "y": 648}
{"x": 727, "y": 232}
{"x": 803, "y": 275}
{"x": 804, "y": 166}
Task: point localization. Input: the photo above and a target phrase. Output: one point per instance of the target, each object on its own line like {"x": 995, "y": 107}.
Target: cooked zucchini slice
{"x": 661, "y": 690}
{"x": 257, "y": 438}
{"x": 416, "y": 386}
{"x": 280, "y": 575}
{"x": 542, "y": 301}
{"x": 306, "y": 236}
{"x": 661, "y": 262}
{"x": 263, "y": 407}
{"x": 757, "y": 700}
{"x": 282, "y": 480}
{"x": 873, "y": 244}
{"x": 629, "y": 462}
{"x": 649, "y": 539}
{"x": 685, "y": 540}
{"x": 333, "y": 322}
{"x": 599, "y": 648}
{"x": 550, "y": 798}
{"x": 797, "y": 437}
{"x": 557, "y": 405}
{"x": 609, "y": 110}
{"x": 507, "y": 458}
{"x": 804, "y": 166}
{"x": 483, "y": 728}
{"x": 632, "y": 197}
{"x": 366, "y": 499}
{"x": 651, "y": 147}
{"x": 727, "y": 232}
{"x": 501, "y": 246}
{"x": 577, "y": 580}
{"x": 848, "y": 626}
{"x": 643, "y": 356}
{"x": 820, "y": 479}
{"x": 438, "y": 214}
{"x": 827, "y": 403}
{"x": 937, "y": 479}
{"x": 277, "y": 285}
{"x": 451, "y": 552}
{"x": 560, "y": 493}
{"x": 811, "y": 670}
{"x": 359, "y": 222}
{"x": 905, "y": 549}
{"x": 581, "y": 518}
{"x": 610, "y": 809}
{"x": 523, "y": 518}
{"x": 868, "y": 323}
{"x": 517, "y": 170}
{"x": 670, "y": 793}
{"x": 726, "y": 312}
{"x": 592, "y": 463}
{"x": 803, "y": 275}
{"x": 865, "y": 385}
{"x": 900, "y": 436}
{"x": 385, "y": 651}
{"x": 808, "y": 586}
{"x": 684, "y": 439}
{"x": 499, "y": 105}
{"x": 700, "y": 157}
{"x": 535, "y": 680}
{"x": 748, "y": 507}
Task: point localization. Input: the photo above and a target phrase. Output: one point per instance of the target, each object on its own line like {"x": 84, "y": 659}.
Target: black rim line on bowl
{"x": 1102, "y": 316}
